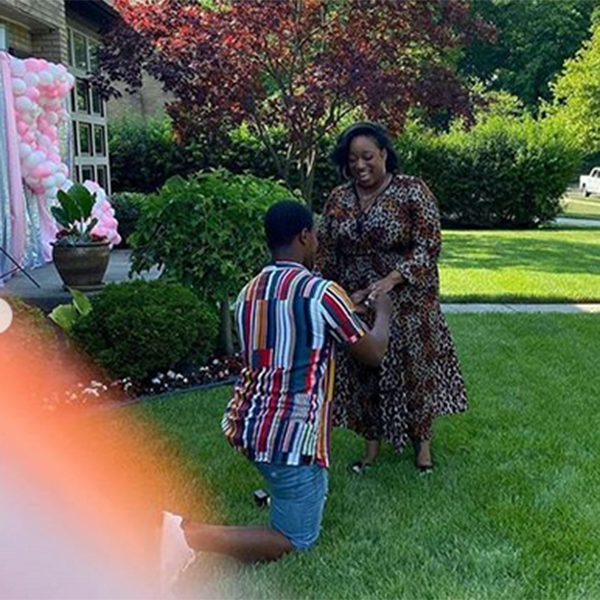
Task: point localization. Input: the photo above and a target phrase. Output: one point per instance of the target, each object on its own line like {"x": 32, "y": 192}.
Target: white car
{"x": 590, "y": 184}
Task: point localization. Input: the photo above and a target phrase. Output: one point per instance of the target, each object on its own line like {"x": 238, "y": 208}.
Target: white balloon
{"x": 44, "y": 141}
{"x": 18, "y": 67}
{"x": 48, "y": 182}
{"x": 46, "y": 77}
{"x": 24, "y": 105}
{"x": 25, "y": 150}
{"x": 31, "y": 79}
{"x": 18, "y": 86}
{"x": 52, "y": 118}
{"x": 35, "y": 158}
{"x": 60, "y": 179}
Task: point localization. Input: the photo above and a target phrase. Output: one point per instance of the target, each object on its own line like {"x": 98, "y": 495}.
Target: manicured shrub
{"x": 138, "y": 328}
{"x": 206, "y": 231}
{"x": 501, "y": 173}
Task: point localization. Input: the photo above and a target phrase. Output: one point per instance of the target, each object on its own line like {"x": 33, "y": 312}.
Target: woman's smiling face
{"x": 366, "y": 162}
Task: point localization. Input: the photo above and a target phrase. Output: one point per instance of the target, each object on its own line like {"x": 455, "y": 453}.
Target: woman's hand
{"x": 385, "y": 285}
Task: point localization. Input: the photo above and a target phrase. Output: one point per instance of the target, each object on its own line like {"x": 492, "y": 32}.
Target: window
{"x": 99, "y": 140}
{"x": 87, "y": 173}
{"x": 80, "y": 52}
{"x": 83, "y": 96}
{"x": 85, "y": 139}
{"x": 88, "y": 112}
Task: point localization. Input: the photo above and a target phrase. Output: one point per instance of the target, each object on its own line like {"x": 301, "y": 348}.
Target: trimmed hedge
{"x": 501, "y": 173}
{"x": 206, "y": 231}
{"x": 145, "y": 155}
{"x": 138, "y": 328}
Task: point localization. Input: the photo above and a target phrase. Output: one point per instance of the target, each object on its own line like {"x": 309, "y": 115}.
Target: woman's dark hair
{"x": 340, "y": 153}
{"x": 284, "y": 221}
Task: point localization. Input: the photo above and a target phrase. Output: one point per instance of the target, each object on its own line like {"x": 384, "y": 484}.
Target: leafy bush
{"x": 143, "y": 155}
{"x": 127, "y": 207}
{"x": 501, "y": 173}
{"x": 206, "y": 231}
{"x": 135, "y": 329}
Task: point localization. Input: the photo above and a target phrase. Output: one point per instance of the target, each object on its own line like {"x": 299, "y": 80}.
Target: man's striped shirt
{"x": 288, "y": 321}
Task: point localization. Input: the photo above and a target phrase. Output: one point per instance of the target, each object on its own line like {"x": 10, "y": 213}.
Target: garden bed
{"x": 94, "y": 390}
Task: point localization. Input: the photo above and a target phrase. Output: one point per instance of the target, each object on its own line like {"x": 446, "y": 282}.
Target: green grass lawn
{"x": 582, "y": 208}
{"x": 548, "y": 265}
{"x": 512, "y": 510}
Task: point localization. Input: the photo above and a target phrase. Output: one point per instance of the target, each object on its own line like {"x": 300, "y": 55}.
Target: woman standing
{"x": 381, "y": 233}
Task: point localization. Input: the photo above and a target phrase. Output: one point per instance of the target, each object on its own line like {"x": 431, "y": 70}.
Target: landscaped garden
{"x": 510, "y": 512}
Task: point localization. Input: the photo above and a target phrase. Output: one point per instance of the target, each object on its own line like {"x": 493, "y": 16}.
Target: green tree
{"x": 533, "y": 39}
{"x": 577, "y": 95}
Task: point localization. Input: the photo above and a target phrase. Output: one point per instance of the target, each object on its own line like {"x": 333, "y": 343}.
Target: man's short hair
{"x": 284, "y": 221}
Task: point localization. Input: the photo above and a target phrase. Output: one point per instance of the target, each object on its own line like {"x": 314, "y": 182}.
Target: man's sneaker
{"x": 175, "y": 554}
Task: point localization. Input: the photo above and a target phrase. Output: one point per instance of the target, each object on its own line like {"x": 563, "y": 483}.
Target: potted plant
{"x": 80, "y": 256}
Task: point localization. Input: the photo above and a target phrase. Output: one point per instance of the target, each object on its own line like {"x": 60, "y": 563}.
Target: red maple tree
{"x": 299, "y": 65}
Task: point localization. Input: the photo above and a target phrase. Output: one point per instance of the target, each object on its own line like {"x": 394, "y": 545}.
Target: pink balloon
{"x": 55, "y": 158}
{"x": 22, "y": 127}
{"x": 41, "y": 171}
{"x": 32, "y": 93}
{"x": 35, "y": 65}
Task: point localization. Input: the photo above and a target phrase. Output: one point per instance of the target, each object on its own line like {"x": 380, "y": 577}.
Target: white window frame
{"x": 78, "y": 118}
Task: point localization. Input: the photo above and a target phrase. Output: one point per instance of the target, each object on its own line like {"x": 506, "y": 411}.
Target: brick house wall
{"x": 36, "y": 27}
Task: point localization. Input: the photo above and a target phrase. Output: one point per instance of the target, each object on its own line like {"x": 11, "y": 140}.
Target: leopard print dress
{"x": 419, "y": 378}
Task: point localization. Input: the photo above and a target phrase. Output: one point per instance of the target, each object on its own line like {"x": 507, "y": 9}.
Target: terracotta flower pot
{"x": 82, "y": 267}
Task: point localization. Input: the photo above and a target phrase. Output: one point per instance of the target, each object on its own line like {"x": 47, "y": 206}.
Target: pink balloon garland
{"x": 39, "y": 89}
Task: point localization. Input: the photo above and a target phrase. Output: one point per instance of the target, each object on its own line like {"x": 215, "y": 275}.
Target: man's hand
{"x": 359, "y": 298}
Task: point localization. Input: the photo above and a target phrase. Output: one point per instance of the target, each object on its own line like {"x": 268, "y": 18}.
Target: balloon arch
{"x": 34, "y": 138}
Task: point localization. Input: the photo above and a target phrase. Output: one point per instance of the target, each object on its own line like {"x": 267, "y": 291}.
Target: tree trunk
{"x": 226, "y": 328}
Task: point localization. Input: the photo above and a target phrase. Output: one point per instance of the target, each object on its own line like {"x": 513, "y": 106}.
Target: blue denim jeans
{"x": 298, "y": 496}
